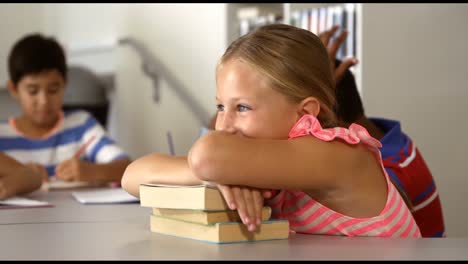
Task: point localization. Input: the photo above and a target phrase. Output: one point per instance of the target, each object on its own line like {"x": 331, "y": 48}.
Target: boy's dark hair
{"x": 348, "y": 106}
{"x": 34, "y": 54}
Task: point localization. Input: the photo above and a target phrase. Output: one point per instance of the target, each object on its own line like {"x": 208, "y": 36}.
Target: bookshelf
{"x": 315, "y": 17}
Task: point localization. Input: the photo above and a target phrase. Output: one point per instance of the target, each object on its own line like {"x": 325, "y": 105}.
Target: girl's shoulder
{"x": 355, "y": 134}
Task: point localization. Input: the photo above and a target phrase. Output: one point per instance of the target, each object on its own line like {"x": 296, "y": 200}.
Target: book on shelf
{"x": 322, "y": 20}
{"x": 305, "y": 20}
{"x": 314, "y": 21}
{"x": 295, "y": 19}
{"x": 350, "y": 9}
{"x": 248, "y": 13}
{"x": 249, "y": 24}
{"x": 199, "y": 197}
{"x": 206, "y": 217}
{"x": 224, "y": 232}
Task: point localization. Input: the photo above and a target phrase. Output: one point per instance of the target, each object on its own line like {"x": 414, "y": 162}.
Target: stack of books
{"x": 199, "y": 212}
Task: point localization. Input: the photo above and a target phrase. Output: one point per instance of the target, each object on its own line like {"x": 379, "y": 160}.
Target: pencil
{"x": 83, "y": 147}
{"x": 171, "y": 144}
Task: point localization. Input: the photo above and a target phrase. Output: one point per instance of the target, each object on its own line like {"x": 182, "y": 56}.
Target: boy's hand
{"x": 6, "y": 188}
{"x": 73, "y": 170}
{"x": 333, "y": 48}
{"x": 11, "y": 185}
{"x": 248, "y": 202}
{"x": 39, "y": 169}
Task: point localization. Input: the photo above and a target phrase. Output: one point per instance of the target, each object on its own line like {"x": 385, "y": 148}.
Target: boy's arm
{"x": 158, "y": 169}
{"x": 108, "y": 172}
{"x": 16, "y": 178}
{"x": 332, "y": 49}
{"x": 78, "y": 170}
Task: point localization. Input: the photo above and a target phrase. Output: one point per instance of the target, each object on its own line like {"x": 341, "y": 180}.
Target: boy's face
{"x": 40, "y": 96}
{"x": 249, "y": 107}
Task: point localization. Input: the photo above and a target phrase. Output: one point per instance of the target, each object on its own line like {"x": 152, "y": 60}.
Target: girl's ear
{"x": 12, "y": 88}
{"x": 310, "y": 106}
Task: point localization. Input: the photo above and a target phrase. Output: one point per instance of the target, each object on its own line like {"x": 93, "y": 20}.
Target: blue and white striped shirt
{"x": 73, "y": 130}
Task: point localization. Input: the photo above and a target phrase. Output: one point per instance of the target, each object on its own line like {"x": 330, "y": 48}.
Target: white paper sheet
{"x": 17, "y": 201}
{"x": 104, "y": 196}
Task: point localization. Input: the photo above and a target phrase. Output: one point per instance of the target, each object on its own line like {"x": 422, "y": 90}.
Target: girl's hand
{"x": 248, "y": 202}
{"x": 73, "y": 170}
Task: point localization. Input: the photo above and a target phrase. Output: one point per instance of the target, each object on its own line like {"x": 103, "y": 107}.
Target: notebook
{"x": 104, "y": 196}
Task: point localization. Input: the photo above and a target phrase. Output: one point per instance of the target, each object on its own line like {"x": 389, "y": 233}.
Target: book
{"x": 226, "y": 232}
{"x": 206, "y": 217}
{"x": 351, "y": 27}
{"x": 248, "y": 13}
{"x": 198, "y": 197}
{"x": 104, "y": 196}
{"x": 338, "y": 20}
{"x": 17, "y": 202}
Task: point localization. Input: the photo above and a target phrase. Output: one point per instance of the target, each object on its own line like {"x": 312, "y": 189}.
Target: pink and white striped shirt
{"x": 306, "y": 215}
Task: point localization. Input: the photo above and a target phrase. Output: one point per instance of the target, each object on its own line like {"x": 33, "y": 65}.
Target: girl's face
{"x": 249, "y": 107}
{"x": 40, "y": 97}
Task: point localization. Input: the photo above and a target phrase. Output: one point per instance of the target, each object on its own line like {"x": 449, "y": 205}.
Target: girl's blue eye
{"x": 242, "y": 108}
{"x": 220, "y": 107}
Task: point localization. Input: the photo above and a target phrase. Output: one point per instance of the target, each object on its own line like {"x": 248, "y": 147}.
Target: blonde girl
{"x": 278, "y": 142}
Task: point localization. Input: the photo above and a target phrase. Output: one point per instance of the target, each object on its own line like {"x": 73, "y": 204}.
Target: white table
{"x": 72, "y": 231}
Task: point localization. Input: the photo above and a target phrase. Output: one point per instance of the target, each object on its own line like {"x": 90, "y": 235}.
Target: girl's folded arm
{"x": 301, "y": 163}
{"x": 158, "y": 169}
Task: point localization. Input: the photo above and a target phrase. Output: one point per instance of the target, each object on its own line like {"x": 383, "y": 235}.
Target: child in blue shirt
{"x": 72, "y": 145}
{"x": 401, "y": 158}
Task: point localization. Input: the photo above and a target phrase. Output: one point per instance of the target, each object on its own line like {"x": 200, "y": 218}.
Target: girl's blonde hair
{"x": 294, "y": 60}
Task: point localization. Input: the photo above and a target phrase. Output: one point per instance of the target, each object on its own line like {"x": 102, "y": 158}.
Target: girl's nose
{"x": 226, "y": 123}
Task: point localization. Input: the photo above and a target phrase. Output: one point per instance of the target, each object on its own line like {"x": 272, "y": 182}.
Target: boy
{"x": 401, "y": 158}
{"x": 72, "y": 145}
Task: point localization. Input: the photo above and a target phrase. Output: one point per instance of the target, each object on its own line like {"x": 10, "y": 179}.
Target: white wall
{"x": 13, "y": 17}
{"x": 13, "y": 26}
{"x": 88, "y": 32}
{"x": 188, "y": 39}
{"x": 76, "y": 27}
{"x": 415, "y": 70}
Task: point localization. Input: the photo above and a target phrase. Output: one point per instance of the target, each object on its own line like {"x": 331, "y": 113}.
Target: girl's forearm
{"x": 157, "y": 169}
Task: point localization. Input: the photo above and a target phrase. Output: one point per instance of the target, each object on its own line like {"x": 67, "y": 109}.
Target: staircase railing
{"x": 156, "y": 70}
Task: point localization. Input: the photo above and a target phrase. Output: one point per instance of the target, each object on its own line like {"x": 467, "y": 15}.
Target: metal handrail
{"x": 155, "y": 69}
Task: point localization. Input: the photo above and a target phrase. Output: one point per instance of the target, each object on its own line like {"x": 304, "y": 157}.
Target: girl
{"x": 277, "y": 141}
